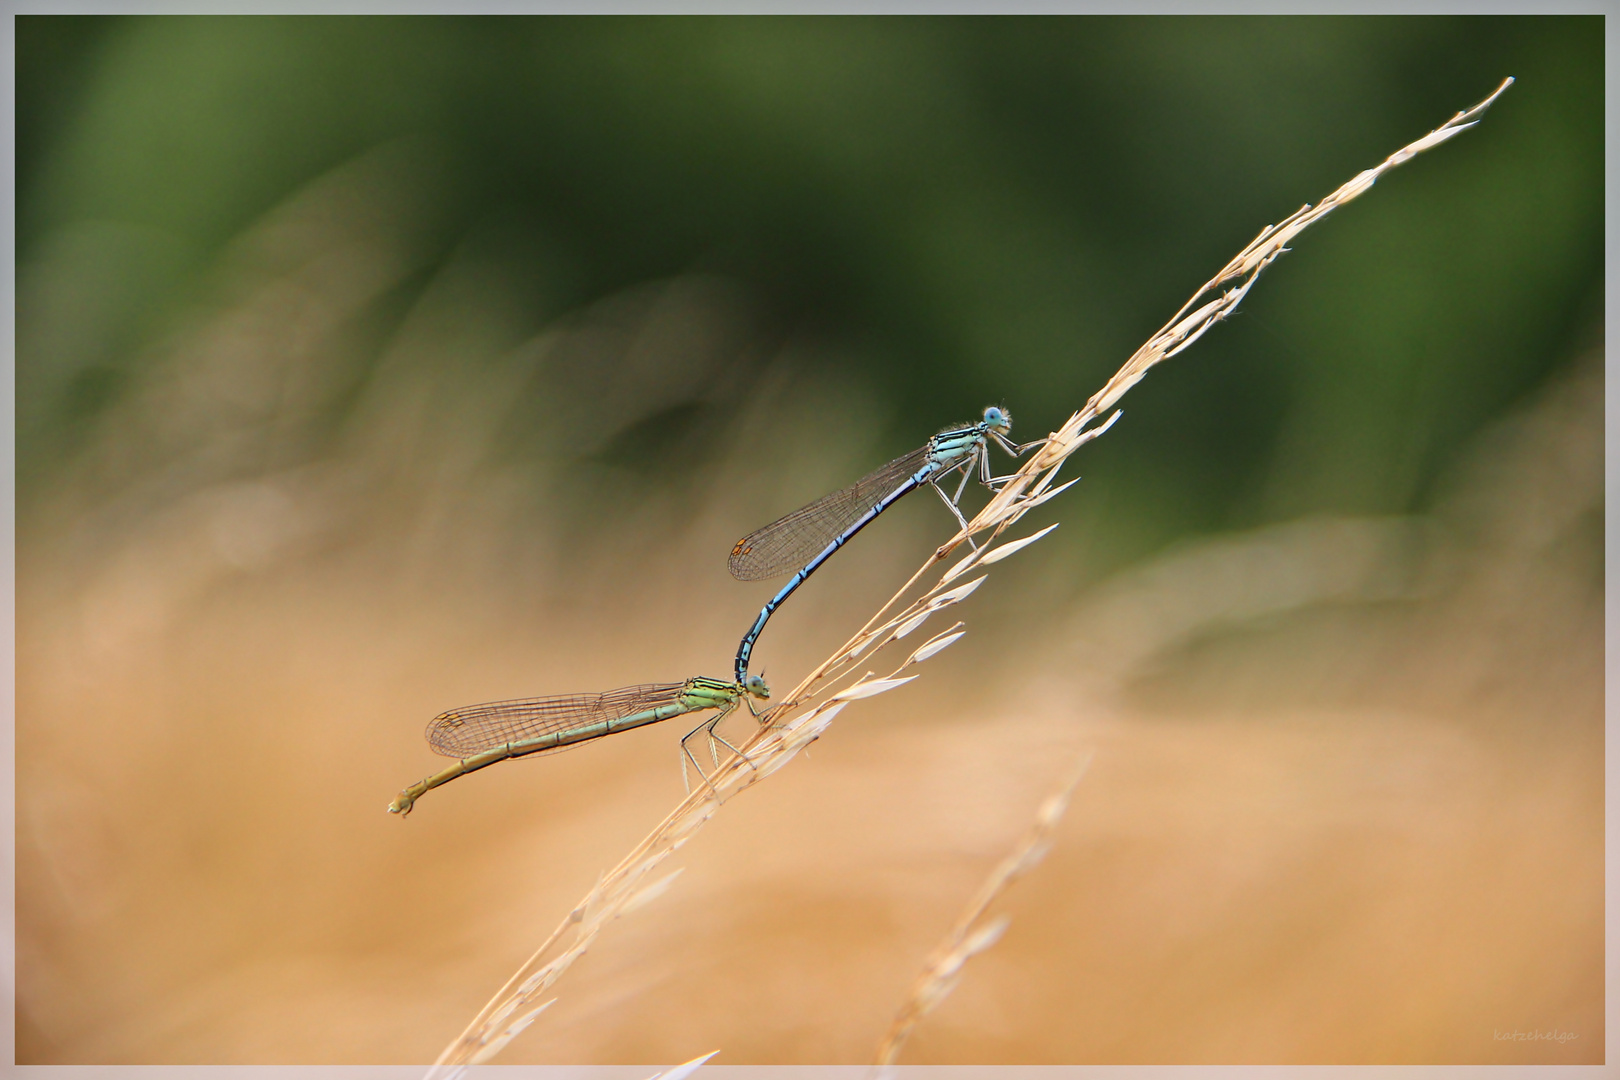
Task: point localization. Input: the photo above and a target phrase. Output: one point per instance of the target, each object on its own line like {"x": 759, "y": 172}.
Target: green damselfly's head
{"x": 998, "y": 420}
{"x": 756, "y": 686}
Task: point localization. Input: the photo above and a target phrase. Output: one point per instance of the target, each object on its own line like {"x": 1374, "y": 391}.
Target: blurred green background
{"x": 951, "y": 211}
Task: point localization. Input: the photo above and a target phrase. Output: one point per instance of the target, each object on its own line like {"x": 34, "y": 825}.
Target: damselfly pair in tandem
{"x": 481, "y": 735}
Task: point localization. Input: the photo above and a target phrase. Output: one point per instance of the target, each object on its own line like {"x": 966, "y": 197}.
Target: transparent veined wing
{"x": 789, "y": 542}
{"x": 473, "y": 729}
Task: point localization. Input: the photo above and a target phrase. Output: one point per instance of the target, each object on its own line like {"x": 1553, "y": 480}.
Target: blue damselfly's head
{"x": 998, "y": 420}
{"x": 756, "y": 686}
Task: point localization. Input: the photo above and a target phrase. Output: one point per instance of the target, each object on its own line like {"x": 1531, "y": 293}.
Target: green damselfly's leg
{"x": 714, "y": 738}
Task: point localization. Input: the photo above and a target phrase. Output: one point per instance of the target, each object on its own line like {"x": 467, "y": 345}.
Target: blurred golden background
{"x": 371, "y": 367}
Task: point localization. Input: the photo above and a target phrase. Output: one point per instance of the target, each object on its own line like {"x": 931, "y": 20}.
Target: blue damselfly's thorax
{"x": 954, "y": 444}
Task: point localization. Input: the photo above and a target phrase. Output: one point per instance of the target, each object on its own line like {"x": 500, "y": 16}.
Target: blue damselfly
{"x": 816, "y": 531}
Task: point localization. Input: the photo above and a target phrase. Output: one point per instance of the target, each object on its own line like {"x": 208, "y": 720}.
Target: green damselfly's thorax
{"x": 717, "y": 693}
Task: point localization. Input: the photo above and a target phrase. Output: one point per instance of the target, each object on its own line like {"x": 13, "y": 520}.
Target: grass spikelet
{"x": 996, "y": 554}
{"x": 961, "y": 592}
{"x": 799, "y": 718}
{"x": 911, "y": 624}
{"x": 960, "y": 568}
{"x": 936, "y": 644}
{"x": 681, "y": 1072}
{"x": 970, "y": 936}
{"x": 1052, "y": 493}
{"x": 870, "y": 688}
{"x": 511, "y": 1031}
{"x": 651, "y": 892}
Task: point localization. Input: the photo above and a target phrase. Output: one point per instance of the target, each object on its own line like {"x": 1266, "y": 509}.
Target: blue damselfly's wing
{"x": 792, "y": 541}
{"x": 461, "y": 733}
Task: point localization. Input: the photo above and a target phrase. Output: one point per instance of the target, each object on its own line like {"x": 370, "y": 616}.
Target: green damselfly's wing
{"x": 789, "y": 542}
{"x": 461, "y": 733}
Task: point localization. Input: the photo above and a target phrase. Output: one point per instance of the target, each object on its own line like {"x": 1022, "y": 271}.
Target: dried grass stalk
{"x": 806, "y": 711}
{"x": 969, "y": 936}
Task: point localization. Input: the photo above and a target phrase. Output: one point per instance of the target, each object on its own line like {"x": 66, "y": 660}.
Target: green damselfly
{"x": 481, "y": 735}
